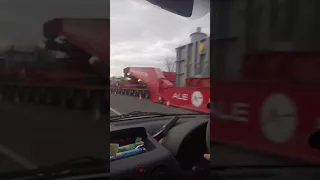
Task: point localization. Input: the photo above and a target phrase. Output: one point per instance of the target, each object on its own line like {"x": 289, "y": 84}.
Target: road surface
{"x": 34, "y": 135}
{"x": 121, "y": 104}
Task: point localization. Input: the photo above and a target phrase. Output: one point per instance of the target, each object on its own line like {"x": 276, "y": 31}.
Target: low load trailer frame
{"x": 82, "y": 97}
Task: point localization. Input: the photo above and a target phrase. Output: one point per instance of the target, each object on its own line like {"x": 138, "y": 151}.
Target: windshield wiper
{"x": 75, "y": 167}
{"x": 136, "y": 114}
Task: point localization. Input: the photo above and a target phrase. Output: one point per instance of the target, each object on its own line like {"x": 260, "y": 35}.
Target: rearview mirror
{"x": 314, "y": 139}
{"x": 185, "y": 8}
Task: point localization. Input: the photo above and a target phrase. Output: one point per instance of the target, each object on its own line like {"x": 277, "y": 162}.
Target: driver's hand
{"x": 207, "y": 156}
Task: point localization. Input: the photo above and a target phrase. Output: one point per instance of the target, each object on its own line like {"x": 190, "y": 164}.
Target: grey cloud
{"x": 21, "y": 21}
{"x": 144, "y": 34}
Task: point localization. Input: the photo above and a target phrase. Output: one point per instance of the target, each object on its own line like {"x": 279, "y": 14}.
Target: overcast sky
{"x": 143, "y": 35}
{"x": 22, "y": 21}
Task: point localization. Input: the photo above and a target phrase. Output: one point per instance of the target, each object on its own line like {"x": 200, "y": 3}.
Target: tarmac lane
{"x": 121, "y": 104}
{"x": 34, "y": 135}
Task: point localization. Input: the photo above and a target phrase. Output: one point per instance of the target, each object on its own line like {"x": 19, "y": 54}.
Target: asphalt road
{"x": 34, "y": 135}
{"x": 121, "y": 104}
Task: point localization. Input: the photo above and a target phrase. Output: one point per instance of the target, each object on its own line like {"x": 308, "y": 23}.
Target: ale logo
{"x": 197, "y": 98}
{"x": 278, "y": 118}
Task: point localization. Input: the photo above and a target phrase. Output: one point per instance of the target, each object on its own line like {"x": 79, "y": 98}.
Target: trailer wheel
{"x": 26, "y": 97}
{"x": 147, "y": 94}
{"x": 9, "y": 95}
{"x": 1, "y": 96}
{"x": 48, "y": 99}
{"x": 63, "y": 102}
{"x": 16, "y": 97}
{"x": 79, "y": 102}
{"x": 36, "y": 98}
{"x": 96, "y": 107}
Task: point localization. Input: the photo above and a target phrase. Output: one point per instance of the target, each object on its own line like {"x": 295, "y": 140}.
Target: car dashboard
{"x": 167, "y": 160}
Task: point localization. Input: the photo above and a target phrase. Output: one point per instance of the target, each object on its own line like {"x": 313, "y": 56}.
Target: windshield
{"x": 159, "y": 61}
{"x": 44, "y": 49}
{"x": 265, "y": 82}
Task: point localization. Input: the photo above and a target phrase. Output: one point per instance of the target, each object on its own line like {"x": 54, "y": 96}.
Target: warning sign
{"x": 201, "y": 48}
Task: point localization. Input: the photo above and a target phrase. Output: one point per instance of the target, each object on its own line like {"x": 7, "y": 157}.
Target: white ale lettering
{"x": 180, "y": 96}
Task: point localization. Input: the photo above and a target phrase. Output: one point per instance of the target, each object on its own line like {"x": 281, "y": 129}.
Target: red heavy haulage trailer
{"x": 267, "y": 78}
{"x": 273, "y": 108}
{"x": 158, "y": 86}
{"x": 171, "y": 76}
{"x": 77, "y": 80}
{"x": 188, "y": 87}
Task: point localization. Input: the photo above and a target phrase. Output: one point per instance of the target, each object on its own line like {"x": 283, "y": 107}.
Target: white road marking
{"x": 115, "y": 111}
{"x": 22, "y": 161}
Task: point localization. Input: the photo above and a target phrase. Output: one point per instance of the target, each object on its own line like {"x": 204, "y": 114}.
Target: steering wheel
{"x": 208, "y": 136}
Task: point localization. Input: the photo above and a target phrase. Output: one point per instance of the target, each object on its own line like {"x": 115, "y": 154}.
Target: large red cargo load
{"x": 79, "y": 79}
{"x": 91, "y": 35}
